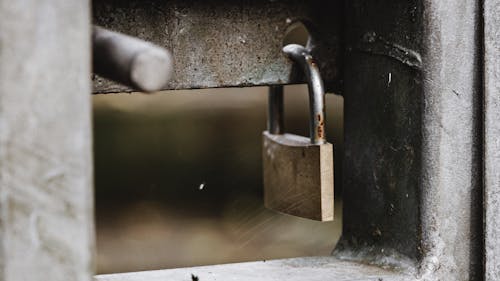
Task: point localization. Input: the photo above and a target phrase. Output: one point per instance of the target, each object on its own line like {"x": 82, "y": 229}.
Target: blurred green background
{"x": 178, "y": 179}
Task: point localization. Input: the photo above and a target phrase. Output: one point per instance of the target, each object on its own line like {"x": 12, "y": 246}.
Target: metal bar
{"x": 275, "y": 119}
{"x": 303, "y": 57}
{"x": 130, "y": 61}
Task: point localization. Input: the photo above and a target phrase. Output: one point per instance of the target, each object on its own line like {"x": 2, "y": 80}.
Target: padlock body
{"x": 298, "y": 176}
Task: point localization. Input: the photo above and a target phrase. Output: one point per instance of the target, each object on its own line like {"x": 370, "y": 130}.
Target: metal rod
{"x": 303, "y": 57}
{"x": 130, "y": 61}
{"x": 275, "y": 120}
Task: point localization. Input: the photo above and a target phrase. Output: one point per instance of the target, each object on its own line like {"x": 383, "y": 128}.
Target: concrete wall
{"x": 46, "y": 202}
{"x": 491, "y": 139}
{"x": 412, "y": 174}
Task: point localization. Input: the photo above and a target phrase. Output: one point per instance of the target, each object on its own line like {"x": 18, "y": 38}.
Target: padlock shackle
{"x": 275, "y": 119}
{"x": 304, "y": 59}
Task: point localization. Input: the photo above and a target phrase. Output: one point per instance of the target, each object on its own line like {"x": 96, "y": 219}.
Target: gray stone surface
{"x": 492, "y": 139}
{"x": 46, "y": 218}
{"x": 227, "y": 43}
{"x": 382, "y": 129}
{"x": 451, "y": 184}
{"x": 413, "y": 127}
{"x": 412, "y": 174}
{"x": 299, "y": 269}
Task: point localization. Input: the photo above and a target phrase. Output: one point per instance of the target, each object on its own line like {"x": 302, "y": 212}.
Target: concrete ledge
{"x": 227, "y": 43}
{"x": 310, "y": 269}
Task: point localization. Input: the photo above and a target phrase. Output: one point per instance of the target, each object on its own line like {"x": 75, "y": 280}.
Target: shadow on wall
{"x": 178, "y": 179}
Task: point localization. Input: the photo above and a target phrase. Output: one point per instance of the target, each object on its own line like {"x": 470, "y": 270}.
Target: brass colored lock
{"x": 298, "y": 171}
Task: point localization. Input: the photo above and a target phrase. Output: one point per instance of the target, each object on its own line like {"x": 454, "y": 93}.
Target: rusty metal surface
{"x": 309, "y": 66}
{"x": 226, "y": 43}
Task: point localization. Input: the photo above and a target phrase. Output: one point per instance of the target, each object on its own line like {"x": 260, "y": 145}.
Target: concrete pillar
{"x": 46, "y": 193}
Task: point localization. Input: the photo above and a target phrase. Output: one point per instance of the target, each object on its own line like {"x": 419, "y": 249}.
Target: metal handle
{"x": 303, "y": 58}
{"x": 130, "y": 61}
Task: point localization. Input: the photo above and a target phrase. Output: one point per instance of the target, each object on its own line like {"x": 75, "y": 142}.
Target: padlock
{"x": 298, "y": 171}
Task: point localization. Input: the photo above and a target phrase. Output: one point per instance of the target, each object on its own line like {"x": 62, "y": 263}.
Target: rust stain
{"x": 320, "y": 132}
{"x": 321, "y": 124}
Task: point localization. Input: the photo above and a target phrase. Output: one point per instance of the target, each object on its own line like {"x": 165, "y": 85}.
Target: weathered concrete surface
{"x": 382, "y": 113}
{"x": 451, "y": 183}
{"x": 227, "y": 43}
{"x": 492, "y": 139}
{"x": 46, "y": 219}
{"x": 412, "y": 180}
{"x": 299, "y": 269}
